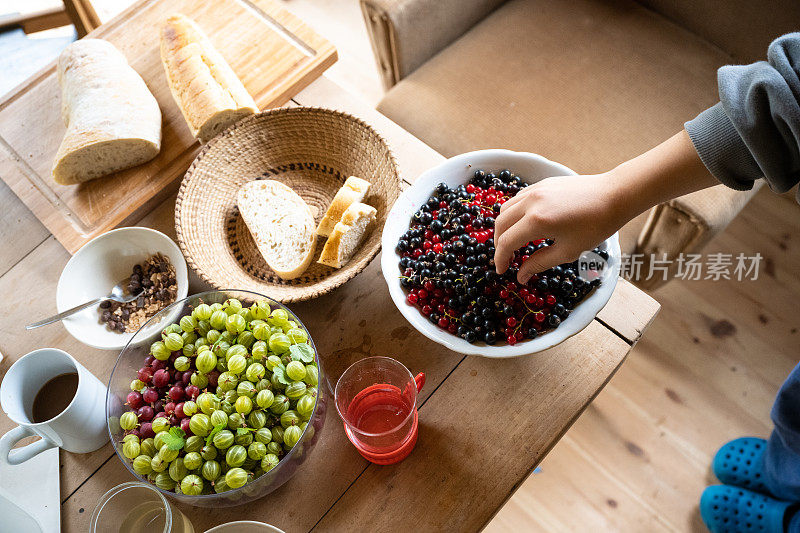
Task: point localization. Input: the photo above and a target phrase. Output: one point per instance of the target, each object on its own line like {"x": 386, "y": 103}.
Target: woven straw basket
{"x": 311, "y": 150}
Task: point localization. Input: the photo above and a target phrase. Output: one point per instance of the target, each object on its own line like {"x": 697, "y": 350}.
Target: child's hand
{"x": 577, "y": 212}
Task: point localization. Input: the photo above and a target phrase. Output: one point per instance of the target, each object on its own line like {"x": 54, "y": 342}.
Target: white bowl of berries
{"x": 438, "y": 253}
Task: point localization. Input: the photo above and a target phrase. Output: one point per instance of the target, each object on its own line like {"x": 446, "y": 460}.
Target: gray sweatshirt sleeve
{"x": 754, "y": 131}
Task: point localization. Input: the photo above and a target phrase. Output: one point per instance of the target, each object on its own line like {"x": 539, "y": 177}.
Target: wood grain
{"x": 481, "y": 434}
{"x": 626, "y": 300}
{"x": 45, "y": 19}
{"x": 83, "y": 16}
{"x": 271, "y": 67}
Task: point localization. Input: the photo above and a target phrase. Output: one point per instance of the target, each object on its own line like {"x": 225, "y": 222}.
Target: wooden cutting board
{"x": 273, "y": 53}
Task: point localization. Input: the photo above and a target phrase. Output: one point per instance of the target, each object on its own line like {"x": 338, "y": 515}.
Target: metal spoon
{"x": 118, "y": 294}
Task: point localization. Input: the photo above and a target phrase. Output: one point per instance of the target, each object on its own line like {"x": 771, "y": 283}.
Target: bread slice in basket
{"x": 347, "y": 235}
{"x": 354, "y": 190}
{"x": 281, "y": 224}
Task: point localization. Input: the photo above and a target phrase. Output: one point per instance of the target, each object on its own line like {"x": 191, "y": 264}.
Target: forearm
{"x": 667, "y": 171}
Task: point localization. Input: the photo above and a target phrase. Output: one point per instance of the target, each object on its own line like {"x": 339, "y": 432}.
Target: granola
{"x": 154, "y": 282}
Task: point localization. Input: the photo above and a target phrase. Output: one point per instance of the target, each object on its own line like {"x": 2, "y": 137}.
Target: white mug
{"x": 80, "y": 428}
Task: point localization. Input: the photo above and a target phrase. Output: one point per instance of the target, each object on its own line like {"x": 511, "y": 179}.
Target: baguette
{"x": 347, "y": 235}
{"x": 204, "y": 86}
{"x": 281, "y": 224}
{"x": 353, "y": 191}
{"x": 113, "y": 121}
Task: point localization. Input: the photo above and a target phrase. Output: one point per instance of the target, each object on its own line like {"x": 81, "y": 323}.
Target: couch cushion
{"x": 743, "y": 28}
{"x": 588, "y": 83}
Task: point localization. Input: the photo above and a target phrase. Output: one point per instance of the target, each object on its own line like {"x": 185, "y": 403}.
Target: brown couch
{"x": 589, "y": 83}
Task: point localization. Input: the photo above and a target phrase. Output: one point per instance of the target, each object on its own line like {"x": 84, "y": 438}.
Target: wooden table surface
{"x": 484, "y": 424}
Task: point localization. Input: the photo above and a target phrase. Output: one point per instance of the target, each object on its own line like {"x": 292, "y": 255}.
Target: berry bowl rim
{"x": 458, "y": 170}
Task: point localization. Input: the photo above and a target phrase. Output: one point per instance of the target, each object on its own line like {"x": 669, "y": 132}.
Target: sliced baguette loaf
{"x": 347, "y": 235}
{"x": 281, "y": 224}
{"x": 354, "y": 190}
{"x": 113, "y": 121}
{"x": 203, "y": 85}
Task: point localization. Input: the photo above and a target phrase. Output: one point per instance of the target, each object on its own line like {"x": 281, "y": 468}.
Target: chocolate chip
{"x": 140, "y": 302}
{"x": 105, "y": 304}
{"x": 106, "y": 316}
{"x": 125, "y": 314}
{"x": 120, "y": 327}
{"x": 137, "y": 269}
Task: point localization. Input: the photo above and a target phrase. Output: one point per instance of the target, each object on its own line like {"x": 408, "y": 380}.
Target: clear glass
{"x": 132, "y": 357}
{"x": 377, "y": 397}
{"x": 135, "y": 507}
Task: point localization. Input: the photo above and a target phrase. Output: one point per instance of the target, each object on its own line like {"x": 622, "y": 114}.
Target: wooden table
{"x": 484, "y": 424}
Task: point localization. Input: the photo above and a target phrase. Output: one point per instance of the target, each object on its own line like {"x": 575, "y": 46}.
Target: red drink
{"x": 382, "y": 418}
{"x": 376, "y": 398}
{"x": 378, "y": 411}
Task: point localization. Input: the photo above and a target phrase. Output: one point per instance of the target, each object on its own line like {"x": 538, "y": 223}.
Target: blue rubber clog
{"x": 728, "y": 509}
{"x": 739, "y": 463}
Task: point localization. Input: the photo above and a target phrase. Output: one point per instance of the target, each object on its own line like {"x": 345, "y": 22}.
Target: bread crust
{"x": 334, "y": 253}
{"x": 107, "y": 109}
{"x": 207, "y": 91}
{"x": 353, "y": 191}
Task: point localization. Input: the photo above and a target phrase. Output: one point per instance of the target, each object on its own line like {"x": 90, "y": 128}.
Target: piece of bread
{"x": 354, "y": 190}
{"x": 281, "y": 224}
{"x": 347, "y": 235}
{"x": 203, "y": 85}
{"x": 113, "y": 121}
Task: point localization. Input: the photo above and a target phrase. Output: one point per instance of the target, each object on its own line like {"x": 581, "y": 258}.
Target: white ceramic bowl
{"x": 98, "y": 266}
{"x": 456, "y": 171}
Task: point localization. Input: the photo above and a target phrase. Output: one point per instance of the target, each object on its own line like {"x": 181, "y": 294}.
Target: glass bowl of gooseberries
{"x": 221, "y": 407}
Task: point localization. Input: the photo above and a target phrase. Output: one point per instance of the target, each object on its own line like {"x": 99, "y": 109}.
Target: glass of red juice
{"x": 377, "y": 399}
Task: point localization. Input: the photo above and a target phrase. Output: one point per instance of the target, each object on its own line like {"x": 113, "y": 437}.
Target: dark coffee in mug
{"x": 54, "y": 397}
